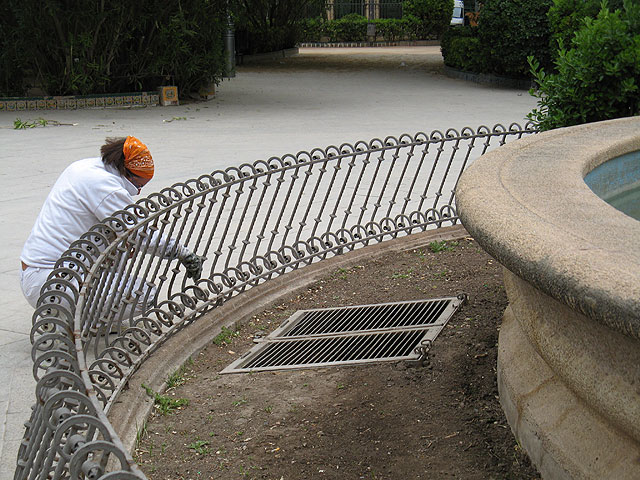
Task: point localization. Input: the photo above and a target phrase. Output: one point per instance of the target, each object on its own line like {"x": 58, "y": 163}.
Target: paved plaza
{"x": 318, "y": 98}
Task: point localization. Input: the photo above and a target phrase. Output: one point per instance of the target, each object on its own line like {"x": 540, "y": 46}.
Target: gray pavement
{"x": 320, "y": 97}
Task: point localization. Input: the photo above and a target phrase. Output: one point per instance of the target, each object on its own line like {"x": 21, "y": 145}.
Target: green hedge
{"x": 350, "y": 28}
{"x": 84, "y": 47}
{"x": 512, "y": 30}
{"x": 353, "y": 28}
{"x": 422, "y": 19}
{"x": 461, "y": 49}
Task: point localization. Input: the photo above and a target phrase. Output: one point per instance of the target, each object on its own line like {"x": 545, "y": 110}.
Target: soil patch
{"x": 385, "y": 421}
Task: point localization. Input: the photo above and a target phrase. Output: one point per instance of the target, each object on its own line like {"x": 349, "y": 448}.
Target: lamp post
{"x": 371, "y": 27}
{"x": 230, "y": 47}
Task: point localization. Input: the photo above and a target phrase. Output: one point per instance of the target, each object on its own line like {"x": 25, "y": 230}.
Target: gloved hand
{"x": 193, "y": 264}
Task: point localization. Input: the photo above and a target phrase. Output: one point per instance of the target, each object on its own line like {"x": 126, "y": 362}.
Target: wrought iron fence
{"x": 344, "y": 8}
{"x": 117, "y": 294}
{"x": 368, "y": 8}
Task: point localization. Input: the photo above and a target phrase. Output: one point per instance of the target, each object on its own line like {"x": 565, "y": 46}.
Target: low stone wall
{"x": 569, "y": 347}
{"x": 383, "y": 43}
{"x": 72, "y": 102}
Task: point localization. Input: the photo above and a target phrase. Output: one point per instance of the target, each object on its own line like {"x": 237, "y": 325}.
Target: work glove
{"x": 193, "y": 264}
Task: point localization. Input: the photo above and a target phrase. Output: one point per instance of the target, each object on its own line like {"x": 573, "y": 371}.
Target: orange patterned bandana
{"x": 137, "y": 158}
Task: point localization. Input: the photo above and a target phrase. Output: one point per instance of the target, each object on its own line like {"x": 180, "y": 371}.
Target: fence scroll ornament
{"x": 115, "y": 296}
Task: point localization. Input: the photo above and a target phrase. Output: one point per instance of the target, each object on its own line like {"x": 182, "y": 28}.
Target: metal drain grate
{"x": 350, "y": 335}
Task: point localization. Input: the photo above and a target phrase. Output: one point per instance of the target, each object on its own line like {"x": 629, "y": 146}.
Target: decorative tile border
{"x": 396, "y": 43}
{"x": 13, "y": 104}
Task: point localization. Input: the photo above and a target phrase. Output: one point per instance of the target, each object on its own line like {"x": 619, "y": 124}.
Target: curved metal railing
{"x": 117, "y": 294}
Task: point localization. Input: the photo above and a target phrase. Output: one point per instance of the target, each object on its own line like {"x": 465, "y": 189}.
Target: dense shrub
{"x": 461, "y": 49}
{"x": 512, "y": 30}
{"x": 81, "y": 47}
{"x": 567, "y": 16}
{"x": 598, "y": 78}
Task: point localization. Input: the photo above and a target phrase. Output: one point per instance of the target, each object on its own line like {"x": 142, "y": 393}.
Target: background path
{"x": 320, "y": 97}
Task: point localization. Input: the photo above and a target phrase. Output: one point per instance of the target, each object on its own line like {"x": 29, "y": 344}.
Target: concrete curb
{"x": 133, "y": 406}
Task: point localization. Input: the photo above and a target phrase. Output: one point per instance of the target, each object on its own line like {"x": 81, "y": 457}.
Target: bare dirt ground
{"x": 384, "y": 421}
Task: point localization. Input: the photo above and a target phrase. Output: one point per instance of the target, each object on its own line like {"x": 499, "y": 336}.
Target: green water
{"x": 627, "y": 201}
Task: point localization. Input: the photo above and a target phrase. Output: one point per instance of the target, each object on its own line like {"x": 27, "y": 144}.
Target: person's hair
{"x": 113, "y": 154}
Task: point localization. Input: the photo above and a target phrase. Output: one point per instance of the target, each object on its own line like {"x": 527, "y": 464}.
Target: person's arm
{"x": 160, "y": 245}
{"x": 171, "y": 249}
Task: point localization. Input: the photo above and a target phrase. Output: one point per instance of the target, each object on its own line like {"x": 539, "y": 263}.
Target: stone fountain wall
{"x": 569, "y": 346}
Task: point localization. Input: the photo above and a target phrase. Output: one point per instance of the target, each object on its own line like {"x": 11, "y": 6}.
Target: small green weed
{"x": 237, "y": 403}
{"x": 201, "y": 447}
{"x": 166, "y": 405}
{"x": 342, "y": 273}
{"x": 398, "y": 275}
{"x": 437, "y": 247}
{"x": 18, "y": 124}
{"x": 141, "y": 434}
{"x": 225, "y": 336}
{"x": 179, "y": 377}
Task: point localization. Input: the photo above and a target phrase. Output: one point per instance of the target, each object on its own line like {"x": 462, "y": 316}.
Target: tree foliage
{"x": 270, "y": 25}
{"x": 433, "y": 15}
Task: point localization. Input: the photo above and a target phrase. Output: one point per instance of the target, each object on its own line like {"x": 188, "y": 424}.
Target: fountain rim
{"x": 528, "y": 205}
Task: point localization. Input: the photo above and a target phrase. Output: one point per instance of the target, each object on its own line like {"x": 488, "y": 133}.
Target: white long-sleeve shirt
{"x": 86, "y": 192}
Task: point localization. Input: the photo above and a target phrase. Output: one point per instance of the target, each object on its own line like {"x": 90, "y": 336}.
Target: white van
{"x": 458, "y": 13}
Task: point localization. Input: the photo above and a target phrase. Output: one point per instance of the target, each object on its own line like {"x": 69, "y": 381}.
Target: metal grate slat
{"x": 349, "y": 318}
{"x": 350, "y": 335}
